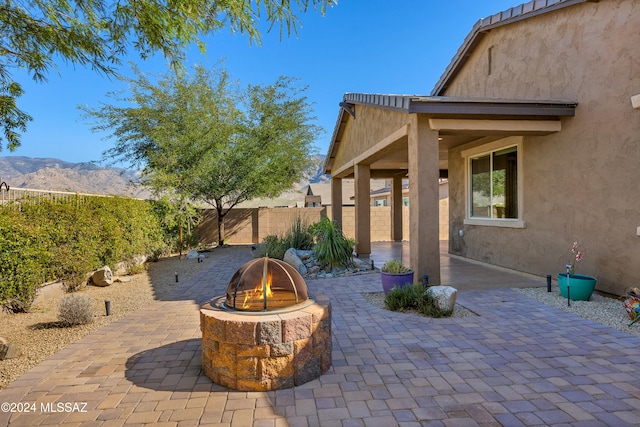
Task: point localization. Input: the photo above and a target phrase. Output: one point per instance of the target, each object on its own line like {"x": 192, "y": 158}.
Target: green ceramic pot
{"x": 581, "y": 286}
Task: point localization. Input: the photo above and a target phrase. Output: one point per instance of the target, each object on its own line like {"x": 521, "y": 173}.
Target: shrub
{"x": 75, "y": 309}
{"x": 297, "y": 237}
{"x": 273, "y": 247}
{"x": 46, "y": 240}
{"x": 332, "y": 247}
{"x": 21, "y": 260}
{"x": 395, "y": 266}
{"x": 413, "y": 297}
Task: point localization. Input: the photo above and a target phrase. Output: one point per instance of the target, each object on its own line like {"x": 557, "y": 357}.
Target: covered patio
{"x": 461, "y": 273}
{"x": 401, "y": 136}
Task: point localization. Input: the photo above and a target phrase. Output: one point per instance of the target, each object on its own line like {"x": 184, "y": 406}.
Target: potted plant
{"x": 576, "y": 287}
{"x": 395, "y": 274}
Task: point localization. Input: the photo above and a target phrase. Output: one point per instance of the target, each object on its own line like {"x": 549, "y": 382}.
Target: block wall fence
{"x": 252, "y": 225}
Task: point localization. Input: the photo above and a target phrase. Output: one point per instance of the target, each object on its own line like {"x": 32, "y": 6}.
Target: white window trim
{"x": 500, "y": 144}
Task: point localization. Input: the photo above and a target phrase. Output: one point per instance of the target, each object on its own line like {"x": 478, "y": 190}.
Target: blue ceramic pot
{"x": 395, "y": 280}
{"x": 581, "y": 286}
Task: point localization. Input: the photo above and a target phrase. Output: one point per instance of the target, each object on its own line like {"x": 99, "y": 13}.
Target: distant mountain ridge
{"x": 59, "y": 175}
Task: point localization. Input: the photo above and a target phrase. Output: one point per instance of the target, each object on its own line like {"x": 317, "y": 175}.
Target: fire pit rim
{"x": 219, "y": 303}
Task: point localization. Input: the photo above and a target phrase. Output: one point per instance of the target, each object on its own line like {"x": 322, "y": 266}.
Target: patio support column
{"x": 424, "y": 246}
{"x": 362, "y": 174}
{"x": 396, "y": 208}
{"x": 336, "y": 200}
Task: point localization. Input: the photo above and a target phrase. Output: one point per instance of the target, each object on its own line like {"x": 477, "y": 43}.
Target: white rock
{"x": 444, "y": 297}
{"x": 192, "y": 254}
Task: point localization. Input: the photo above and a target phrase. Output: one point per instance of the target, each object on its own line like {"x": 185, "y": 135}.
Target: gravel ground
{"x": 606, "y": 310}
{"x": 38, "y": 333}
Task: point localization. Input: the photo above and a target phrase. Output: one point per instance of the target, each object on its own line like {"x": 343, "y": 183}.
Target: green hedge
{"x": 64, "y": 240}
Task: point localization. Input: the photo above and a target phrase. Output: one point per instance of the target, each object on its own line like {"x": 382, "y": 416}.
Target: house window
{"x": 494, "y": 196}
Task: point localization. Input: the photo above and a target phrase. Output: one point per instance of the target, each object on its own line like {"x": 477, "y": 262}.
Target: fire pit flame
{"x": 259, "y": 291}
{"x": 266, "y": 284}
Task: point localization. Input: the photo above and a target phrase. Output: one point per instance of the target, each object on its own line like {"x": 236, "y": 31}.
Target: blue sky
{"x": 370, "y": 46}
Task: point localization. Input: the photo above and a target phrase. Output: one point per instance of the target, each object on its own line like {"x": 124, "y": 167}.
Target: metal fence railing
{"x": 17, "y": 196}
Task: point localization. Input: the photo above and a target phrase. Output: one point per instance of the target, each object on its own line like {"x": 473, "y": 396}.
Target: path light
{"x": 176, "y": 277}
{"x": 548, "y": 283}
{"x": 107, "y": 306}
{"x": 568, "y": 286}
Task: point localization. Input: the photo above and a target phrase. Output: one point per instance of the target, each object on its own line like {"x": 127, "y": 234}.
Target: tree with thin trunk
{"x": 98, "y": 33}
{"x": 206, "y": 138}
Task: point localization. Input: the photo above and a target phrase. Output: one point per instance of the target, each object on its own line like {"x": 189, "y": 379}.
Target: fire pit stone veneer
{"x": 268, "y": 351}
{"x": 279, "y": 338}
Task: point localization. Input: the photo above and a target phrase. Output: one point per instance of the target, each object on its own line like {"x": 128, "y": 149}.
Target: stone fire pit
{"x": 258, "y": 349}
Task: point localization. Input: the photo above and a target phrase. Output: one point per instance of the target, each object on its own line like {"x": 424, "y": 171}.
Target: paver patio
{"x": 519, "y": 362}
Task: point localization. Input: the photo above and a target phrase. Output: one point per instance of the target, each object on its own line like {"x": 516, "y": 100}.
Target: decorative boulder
{"x": 444, "y": 297}
{"x": 102, "y": 277}
{"x": 8, "y": 350}
{"x": 123, "y": 267}
{"x": 292, "y": 258}
{"x": 192, "y": 254}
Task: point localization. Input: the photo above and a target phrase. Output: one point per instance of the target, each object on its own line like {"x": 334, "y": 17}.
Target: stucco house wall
{"x": 580, "y": 183}
{"x": 369, "y": 127}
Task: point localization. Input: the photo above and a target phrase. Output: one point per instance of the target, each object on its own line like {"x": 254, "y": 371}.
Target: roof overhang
{"x": 454, "y": 116}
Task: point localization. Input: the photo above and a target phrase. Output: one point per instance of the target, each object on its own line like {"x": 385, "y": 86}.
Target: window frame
{"x": 489, "y": 149}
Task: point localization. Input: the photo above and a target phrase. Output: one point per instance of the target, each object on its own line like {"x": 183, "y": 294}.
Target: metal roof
{"x": 483, "y": 26}
{"x": 456, "y": 106}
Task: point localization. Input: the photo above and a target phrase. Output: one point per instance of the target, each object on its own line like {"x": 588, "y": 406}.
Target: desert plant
{"x": 273, "y": 247}
{"x": 332, "y": 247}
{"x": 75, "y": 309}
{"x": 413, "y": 297}
{"x": 298, "y": 235}
{"x": 395, "y": 266}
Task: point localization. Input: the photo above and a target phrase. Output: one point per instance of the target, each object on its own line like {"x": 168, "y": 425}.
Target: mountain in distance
{"x": 58, "y": 175}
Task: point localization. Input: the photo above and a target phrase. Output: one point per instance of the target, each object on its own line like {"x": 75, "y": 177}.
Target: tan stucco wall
{"x": 579, "y": 184}
{"x": 252, "y": 225}
{"x": 370, "y": 126}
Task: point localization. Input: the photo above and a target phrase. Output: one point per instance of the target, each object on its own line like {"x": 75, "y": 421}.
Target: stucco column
{"x": 424, "y": 198}
{"x": 396, "y": 208}
{"x": 363, "y": 209}
{"x": 336, "y": 200}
